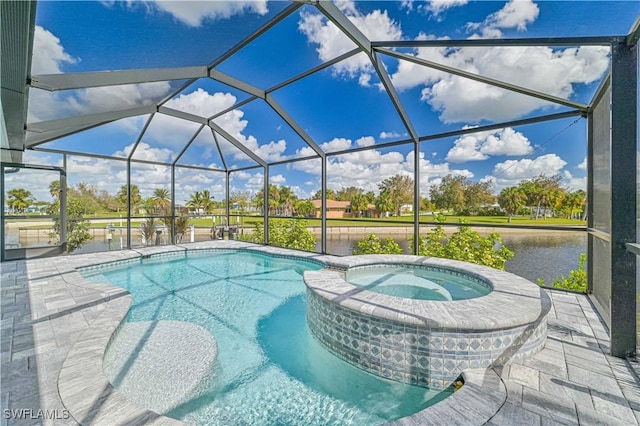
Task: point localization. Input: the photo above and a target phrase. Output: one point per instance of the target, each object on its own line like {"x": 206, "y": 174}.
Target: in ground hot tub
{"x": 425, "y": 342}
{"x": 418, "y": 282}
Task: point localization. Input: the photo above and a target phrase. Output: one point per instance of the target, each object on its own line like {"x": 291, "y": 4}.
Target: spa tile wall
{"x": 411, "y": 354}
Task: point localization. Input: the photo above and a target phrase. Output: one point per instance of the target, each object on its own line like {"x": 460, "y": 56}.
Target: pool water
{"x": 416, "y": 283}
{"x": 269, "y": 369}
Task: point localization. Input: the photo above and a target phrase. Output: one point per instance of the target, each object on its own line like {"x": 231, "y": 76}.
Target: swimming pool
{"x": 413, "y": 282}
{"x": 269, "y": 369}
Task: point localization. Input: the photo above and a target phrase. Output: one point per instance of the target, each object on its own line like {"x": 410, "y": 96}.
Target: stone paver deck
{"x": 47, "y": 308}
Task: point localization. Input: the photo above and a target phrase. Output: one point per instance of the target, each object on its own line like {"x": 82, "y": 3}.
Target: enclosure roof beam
{"x": 486, "y": 80}
{"x": 215, "y": 140}
{"x": 238, "y": 84}
{"x": 83, "y": 80}
{"x": 263, "y": 29}
{"x": 469, "y": 130}
{"x": 188, "y": 144}
{"x": 393, "y": 95}
{"x": 237, "y": 143}
{"x": 498, "y": 42}
{"x": 334, "y": 15}
{"x": 315, "y": 69}
{"x": 183, "y": 115}
{"x": 34, "y": 139}
{"x": 89, "y": 119}
{"x": 292, "y": 123}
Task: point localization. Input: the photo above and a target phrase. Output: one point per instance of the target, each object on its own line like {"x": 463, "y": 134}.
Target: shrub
{"x": 287, "y": 233}
{"x": 466, "y": 245}
{"x": 577, "y": 279}
{"x": 373, "y": 245}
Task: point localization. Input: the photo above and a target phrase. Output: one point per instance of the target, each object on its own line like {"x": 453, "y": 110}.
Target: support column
{"x": 416, "y": 197}
{"x": 227, "y": 205}
{"x": 173, "y": 204}
{"x": 624, "y": 127}
{"x": 323, "y": 214}
{"x": 63, "y": 204}
{"x": 128, "y": 204}
{"x": 266, "y": 204}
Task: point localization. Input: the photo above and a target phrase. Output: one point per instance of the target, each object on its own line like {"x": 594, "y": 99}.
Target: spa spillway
{"x": 476, "y": 317}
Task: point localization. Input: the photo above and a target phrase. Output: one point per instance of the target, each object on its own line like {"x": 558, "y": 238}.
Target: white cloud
{"x": 49, "y": 55}
{"x": 331, "y": 42}
{"x": 457, "y": 99}
{"x": 583, "y": 165}
{"x": 365, "y": 141}
{"x": 436, "y": 7}
{"x": 574, "y": 183}
{"x": 543, "y": 69}
{"x": 389, "y": 135}
{"x": 366, "y": 169}
{"x": 515, "y": 14}
{"x": 202, "y": 103}
{"x": 479, "y": 146}
{"x": 549, "y": 165}
{"x": 193, "y": 13}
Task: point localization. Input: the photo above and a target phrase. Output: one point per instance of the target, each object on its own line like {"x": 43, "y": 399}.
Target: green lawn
{"x": 250, "y": 221}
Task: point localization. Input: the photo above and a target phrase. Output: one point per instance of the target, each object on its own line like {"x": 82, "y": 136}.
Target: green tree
{"x": 286, "y": 200}
{"x": 161, "y": 201}
{"x": 19, "y": 199}
{"x": 449, "y": 193}
{"x": 466, "y": 245}
{"x": 478, "y": 194}
{"x": 383, "y": 204}
{"x": 359, "y": 203}
{"x": 305, "y": 208}
{"x": 371, "y": 244}
{"x": 196, "y": 202}
{"x": 575, "y": 202}
{"x": 207, "y": 201}
{"x": 331, "y": 194}
{"x": 121, "y": 197}
{"x": 240, "y": 199}
{"x": 512, "y": 200}
{"x": 346, "y": 194}
{"x": 287, "y": 233}
{"x": 399, "y": 189}
{"x": 77, "y": 226}
{"x": 542, "y": 192}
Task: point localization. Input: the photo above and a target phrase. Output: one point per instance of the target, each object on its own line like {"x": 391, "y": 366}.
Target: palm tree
{"x": 512, "y": 200}
{"x": 195, "y": 201}
{"x": 207, "y": 201}
{"x": 161, "y": 200}
{"x": 286, "y": 199}
{"x": 19, "y": 199}
{"x": 383, "y": 204}
{"x": 305, "y": 208}
{"x": 575, "y": 201}
{"x": 359, "y": 203}
{"x": 121, "y": 196}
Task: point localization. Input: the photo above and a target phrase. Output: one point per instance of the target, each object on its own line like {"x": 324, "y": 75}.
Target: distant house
{"x": 340, "y": 209}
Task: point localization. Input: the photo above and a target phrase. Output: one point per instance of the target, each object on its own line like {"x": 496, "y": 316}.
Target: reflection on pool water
{"x": 416, "y": 283}
{"x": 269, "y": 369}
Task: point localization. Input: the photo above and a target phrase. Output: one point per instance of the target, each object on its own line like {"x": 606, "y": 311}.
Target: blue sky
{"x": 339, "y": 107}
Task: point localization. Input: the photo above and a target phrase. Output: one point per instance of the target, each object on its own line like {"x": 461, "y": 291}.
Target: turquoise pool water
{"x": 269, "y": 370}
{"x": 416, "y": 283}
